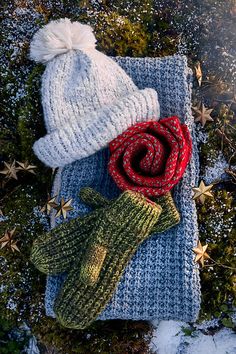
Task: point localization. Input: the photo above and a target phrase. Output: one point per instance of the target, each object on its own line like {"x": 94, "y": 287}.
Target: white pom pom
{"x": 58, "y": 37}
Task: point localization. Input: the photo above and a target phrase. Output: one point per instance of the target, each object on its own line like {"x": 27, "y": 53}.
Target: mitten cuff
{"x": 170, "y": 215}
{"x": 137, "y": 212}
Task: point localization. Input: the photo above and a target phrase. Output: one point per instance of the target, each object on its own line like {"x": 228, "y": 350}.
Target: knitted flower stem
{"x": 168, "y": 218}
{"x": 118, "y": 232}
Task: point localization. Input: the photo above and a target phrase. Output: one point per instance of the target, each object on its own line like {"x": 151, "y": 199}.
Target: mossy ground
{"x": 137, "y": 28}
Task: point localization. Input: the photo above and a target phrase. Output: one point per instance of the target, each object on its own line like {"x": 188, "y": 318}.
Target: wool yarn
{"x": 169, "y": 216}
{"x": 161, "y": 280}
{"x": 87, "y": 98}
{"x": 55, "y": 251}
{"x": 93, "y": 278}
{"x": 150, "y": 157}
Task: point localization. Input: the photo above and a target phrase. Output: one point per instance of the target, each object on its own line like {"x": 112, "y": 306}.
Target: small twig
{"x": 229, "y": 125}
{"x": 219, "y": 264}
{"x": 223, "y": 136}
{"x": 7, "y": 195}
{"x": 231, "y": 157}
{"x": 232, "y": 174}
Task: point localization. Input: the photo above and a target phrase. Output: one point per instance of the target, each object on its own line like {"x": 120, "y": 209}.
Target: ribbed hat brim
{"x": 75, "y": 141}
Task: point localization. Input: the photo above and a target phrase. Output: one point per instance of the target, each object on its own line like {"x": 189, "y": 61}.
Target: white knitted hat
{"x": 87, "y": 98}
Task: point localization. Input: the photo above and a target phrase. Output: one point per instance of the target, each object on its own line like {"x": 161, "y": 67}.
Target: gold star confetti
{"x": 202, "y": 114}
{"x": 13, "y": 246}
{"x": 7, "y": 237}
{"x": 25, "y": 166}
{"x": 50, "y": 204}
{"x": 198, "y": 73}
{"x": 202, "y": 192}
{"x": 64, "y": 207}
{"x": 7, "y": 240}
{"x": 10, "y": 170}
{"x": 201, "y": 254}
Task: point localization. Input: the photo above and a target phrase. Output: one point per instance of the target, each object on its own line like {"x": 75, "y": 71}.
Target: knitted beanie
{"x": 87, "y": 98}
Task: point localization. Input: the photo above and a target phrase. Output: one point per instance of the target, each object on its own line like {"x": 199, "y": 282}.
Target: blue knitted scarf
{"x": 162, "y": 279}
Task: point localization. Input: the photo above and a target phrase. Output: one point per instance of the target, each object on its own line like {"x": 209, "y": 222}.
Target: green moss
{"x": 103, "y": 337}
{"x": 22, "y": 116}
{"x": 19, "y": 279}
{"x": 224, "y": 121}
{"x": 117, "y": 35}
{"x": 130, "y": 28}
{"x": 7, "y": 132}
{"x": 30, "y": 118}
{"x": 217, "y": 228}
{"x": 122, "y": 27}
{"x": 10, "y": 343}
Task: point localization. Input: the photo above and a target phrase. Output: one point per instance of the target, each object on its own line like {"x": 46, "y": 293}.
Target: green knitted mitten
{"x": 116, "y": 235}
{"x": 54, "y": 251}
{"x": 169, "y": 216}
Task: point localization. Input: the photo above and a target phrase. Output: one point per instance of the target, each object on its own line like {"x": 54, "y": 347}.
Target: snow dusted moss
{"x": 215, "y": 169}
{"x": 19, "y": 279}
{"x": 136, "y": 28}
{"x": 217, "y": 228}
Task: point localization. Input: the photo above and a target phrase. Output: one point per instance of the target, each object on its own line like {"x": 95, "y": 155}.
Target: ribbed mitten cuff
{"x": 169, "y": 216}
{"x": 132, "y": 211}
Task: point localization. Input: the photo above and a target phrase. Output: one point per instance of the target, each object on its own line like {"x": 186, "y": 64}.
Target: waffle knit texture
{"x": 87, "y": 98}
{"x": 55, "y": 251}
{"x": 162, "y": 280}
{"x": 150, "y": 157}
{"x": 117, "y": 233}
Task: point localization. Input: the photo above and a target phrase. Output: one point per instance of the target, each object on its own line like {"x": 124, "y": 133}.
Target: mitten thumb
{"x": 93, "y": 198}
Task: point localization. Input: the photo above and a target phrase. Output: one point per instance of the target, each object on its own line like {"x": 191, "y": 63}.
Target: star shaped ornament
{"x": 25, "y": 166}
{"x": 201, "y": 253}
{"x": 198, "y": 73}
{"x": 202, "y": 114}
{"x": 7, "y": 240}
{"x": 202, "y": 192}
{"x": 50, "y": 204}
{"x": 63, "y": 208}
{"x": 10, "y": 170}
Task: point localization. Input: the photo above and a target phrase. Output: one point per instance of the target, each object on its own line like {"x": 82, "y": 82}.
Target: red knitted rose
{"x": 150, "y": 157}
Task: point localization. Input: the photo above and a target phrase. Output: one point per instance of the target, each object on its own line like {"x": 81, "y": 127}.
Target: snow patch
{"x": 168, "y": 338}
{"x": 11, "y": 305}
{"x": 216, "y": 170}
